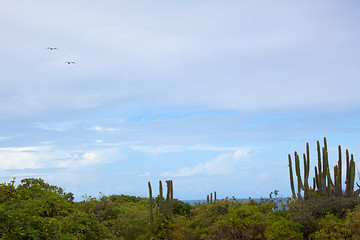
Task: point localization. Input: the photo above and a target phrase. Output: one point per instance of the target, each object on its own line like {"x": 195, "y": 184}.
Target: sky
{"x": 211, "y": 94}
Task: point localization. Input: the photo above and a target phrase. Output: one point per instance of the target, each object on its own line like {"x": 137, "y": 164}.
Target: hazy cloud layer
{"x": 233, "y": 55}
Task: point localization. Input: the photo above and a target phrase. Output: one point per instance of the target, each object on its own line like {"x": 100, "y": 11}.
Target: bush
{"x": 331, "y": 227}
{"x": 310, "y": 211}
{"x": 182, "y": 208}
{"x": 242, "y": 222}
{"x": 131, "y": 222}
{"x": 352, "y": 222}
{"x": 205, "y": 215}
{"x": 282, "y": 228}
{"x": 80, "y": 225}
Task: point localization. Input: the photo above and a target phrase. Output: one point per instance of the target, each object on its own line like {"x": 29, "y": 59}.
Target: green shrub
{"x": 352, "y": 222}
{"x": 205, "y": 215}
{"x": 331, "y": 227}
{"x": 132, "y": 221}
{"x": 161, "y": 229}
{"x": 182, "y": 208}
{"x": 242, "y": 222}
{"x": 7, "y": 191}
{"x": 310, "y": 211}
{"x": 80, "y": 225}
{"x": 282, "y": 228}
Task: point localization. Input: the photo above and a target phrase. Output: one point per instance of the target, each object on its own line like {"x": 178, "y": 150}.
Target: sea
{"x": 193, "y": 202}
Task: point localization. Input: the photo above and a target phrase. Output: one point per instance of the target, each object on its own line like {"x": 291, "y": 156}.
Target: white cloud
{"x": 223, "y": 164}
{"x": 155, "y": 149}
{"x": 24, "y": 157}
{"x": 204, "y": 147}
{"x": 76, "y": 160}
{"x": 104, "y": 129}
{"x": 127, "y": 173}
{"x": 163, "y": 148}
{"x": 40, "y": 157}
{"x": 146, "y": 174}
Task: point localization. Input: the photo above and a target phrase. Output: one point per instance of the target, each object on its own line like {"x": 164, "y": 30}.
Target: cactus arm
{"x": 306, "y": 177}
{"x": 337, "y": 181}
{"x": 352, "y": 176}
{"x": 307, "y": 160}
{"x": 150, "y": 204}
{"x": 161, "y": 199}
{"x": 340, "y": 172}
{"x": 317, "y": 179}
{"x": 291, "y": 177}
{"x": 325, "y": 144}
{"x": 331, "y": 186}
{"x": 171, "y": 200}
{"x": 298, "y": 174}
{"x": 167, "y": 201}
{"x": 320, "y": 185}
{"x": 347, "y": 181}
{"x": 326, "y": 176}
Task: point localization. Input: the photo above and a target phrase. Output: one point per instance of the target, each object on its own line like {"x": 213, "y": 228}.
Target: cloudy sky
{"x": 211, "y": 94}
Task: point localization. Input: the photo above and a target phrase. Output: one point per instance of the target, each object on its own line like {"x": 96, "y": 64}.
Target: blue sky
{"x": 211, "y": 94}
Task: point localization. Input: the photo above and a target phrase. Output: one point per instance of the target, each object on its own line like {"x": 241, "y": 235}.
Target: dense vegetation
{"x": 36, "y": 210}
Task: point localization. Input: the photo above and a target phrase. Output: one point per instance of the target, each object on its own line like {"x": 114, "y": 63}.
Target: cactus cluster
{"x": 209, "y": 199}
{"x": 165, "y": 206}
{"x": 323, "y": 184}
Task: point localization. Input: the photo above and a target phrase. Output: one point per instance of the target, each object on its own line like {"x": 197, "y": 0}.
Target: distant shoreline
{"x": 192, "y": 202}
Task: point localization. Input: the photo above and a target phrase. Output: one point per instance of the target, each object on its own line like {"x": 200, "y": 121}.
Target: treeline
{"x": 36, "y": 210}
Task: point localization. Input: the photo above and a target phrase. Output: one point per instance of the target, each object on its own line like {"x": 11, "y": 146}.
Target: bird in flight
{"x": 70, "y": 62}
{"x": 52, "y": 48}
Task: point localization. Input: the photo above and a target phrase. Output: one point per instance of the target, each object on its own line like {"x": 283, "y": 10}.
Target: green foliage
{"x": 125, "y": 216}
{"x": 331, "y": 227}
{"x": 33, "y": 187}
{"x": 309, "y": 213}
{"x": 32, "y": 210}
{"x": 182, "y": 208}
{"x": 7, "y": 191}
{"x": 132, "y": 222}
{"x": 80, "y": 225}
{"x": 37, "y": 210}
{"x": 243, "y": 222}
{"x": 352, "y": 222}
{"x": 205, "y": 215}
{"x": 283, "y": 228}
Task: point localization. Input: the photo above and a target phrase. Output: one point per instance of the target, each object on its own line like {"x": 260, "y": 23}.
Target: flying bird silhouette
{"x": 70, "y": 62}
{"x": 52, "y": 48}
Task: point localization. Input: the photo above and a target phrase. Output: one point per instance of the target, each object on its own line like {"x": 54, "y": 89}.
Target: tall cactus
{"x": 161, "y": 198}
{"x": 339, "y": 172}
{"x": 350, "y": 175}
{"x": 319, "y": 179}
{"x": 209, "y": 198}
{"x": 302, "y": 185}
{"x": 165, "y": 207}
{"x": 323, "y": 183}
{"x": 291, "y": 177}
{"x": 150, "y": 204}
{"x": 169, "y": 200}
